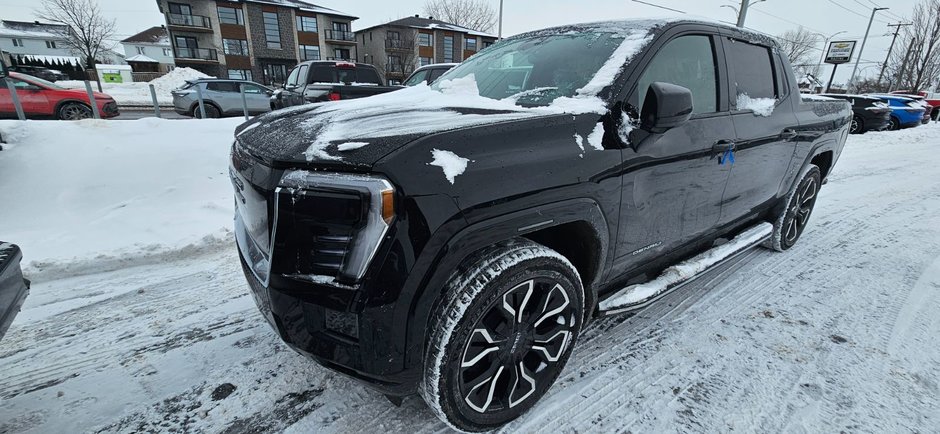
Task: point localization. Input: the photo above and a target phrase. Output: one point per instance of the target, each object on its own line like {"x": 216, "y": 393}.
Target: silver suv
{"x": 222, "y": 98}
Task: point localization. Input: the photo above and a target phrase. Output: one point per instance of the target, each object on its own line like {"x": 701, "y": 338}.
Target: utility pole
{"x": 500, "y": 36}
{"x": 742, "y": 13}
{"x": 862, "y": 50}
{"x": 897, "y": 29}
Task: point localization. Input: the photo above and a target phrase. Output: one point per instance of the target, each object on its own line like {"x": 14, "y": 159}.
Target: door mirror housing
{"x": 666, "y": 106}
{"x": 291, "y": 87}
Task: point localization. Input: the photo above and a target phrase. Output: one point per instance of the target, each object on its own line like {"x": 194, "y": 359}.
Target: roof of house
{"x": 304, "y": 6}
{"x": 418, "y": 22}
{"x": 35, "y": 29}
{"x": 156, "y": 35}
{"x": 141, "y": 58}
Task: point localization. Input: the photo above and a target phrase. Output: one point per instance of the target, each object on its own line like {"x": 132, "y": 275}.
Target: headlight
{"x": 336, "y": 223}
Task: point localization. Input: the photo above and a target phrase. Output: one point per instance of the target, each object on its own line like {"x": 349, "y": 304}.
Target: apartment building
{"x": 258, "y": 40}
{"x": 398, "y": 47}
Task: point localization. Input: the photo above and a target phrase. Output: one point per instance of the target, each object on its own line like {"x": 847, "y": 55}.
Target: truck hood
{"x": 360, "y": 132}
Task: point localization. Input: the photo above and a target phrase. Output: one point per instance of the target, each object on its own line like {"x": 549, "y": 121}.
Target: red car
{"x": 41, "y": 98}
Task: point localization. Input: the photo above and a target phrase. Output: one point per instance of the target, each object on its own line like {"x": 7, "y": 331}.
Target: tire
{"x": 74, "y": 111}
{"x": 212, "y": 112}
{"x": 895, "y": 124}
{"x": 790, "y": 224}
{"x": 858, "y": 125}
{"x": 484, "y": 364}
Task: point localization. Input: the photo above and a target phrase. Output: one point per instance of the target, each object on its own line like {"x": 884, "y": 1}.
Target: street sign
{"x": 840, "y": 52}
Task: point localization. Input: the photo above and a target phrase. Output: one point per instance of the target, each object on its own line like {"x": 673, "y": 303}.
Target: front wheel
{"x": 502, "y": 335}
{"x": 793, "y": 220}
{"x": 74, "y": 111}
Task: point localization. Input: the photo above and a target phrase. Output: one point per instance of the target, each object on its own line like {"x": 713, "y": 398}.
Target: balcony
{"x": 340, "y": 36}
{"x": 189, "y": 22}
{"x": 399, "y": 44}
{"x": 203, "y": 54}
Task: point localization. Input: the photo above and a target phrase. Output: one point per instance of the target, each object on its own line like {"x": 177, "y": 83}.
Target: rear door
{"x": 32, "y": 98}
{"x": 225, "y": 94}
{"x": 673, "y": 182}
{"x": 257, "y": 98}
{"x": 765, "y": 126}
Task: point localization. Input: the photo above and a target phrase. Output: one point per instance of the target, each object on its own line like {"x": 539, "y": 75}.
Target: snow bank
{"x": 138, "y": 93}
{"x": 760, "y": 106}
{"x": 453, "y": 164}
{"x": 91, "y": 195}
{"x": 685, "y": 270}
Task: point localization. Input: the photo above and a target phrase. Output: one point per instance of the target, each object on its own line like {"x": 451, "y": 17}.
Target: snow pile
{"x": 760, "y": 106}
{"x": 92, "y": 195}
{"x": 349, "y": 146}
{"x": 138, "y": 93}
{"x": 453, "y": 164}
{"x": 686, "y": 270}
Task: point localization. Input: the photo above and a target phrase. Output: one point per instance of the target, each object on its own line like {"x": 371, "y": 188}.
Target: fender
{"x": 481, "y": 234}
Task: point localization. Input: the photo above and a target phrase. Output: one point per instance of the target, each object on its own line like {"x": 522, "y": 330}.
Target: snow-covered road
{"x": 838, "y": 334}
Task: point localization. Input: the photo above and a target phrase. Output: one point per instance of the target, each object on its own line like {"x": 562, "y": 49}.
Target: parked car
{"x": 41, "y": 98}
{"x": 328, "y": 80}
{"x": 871, "y": 114}
{"x": 921, "y": 101}
{"x": 453, "y": 240}
{"x": 221, "y": 97}
{"x": 44, "y": 73}
{"x": 13, "y": 287}
{"x": 932, "y": 98}
{"x": 428, "y": 73}
{"x": 905, "y": 112}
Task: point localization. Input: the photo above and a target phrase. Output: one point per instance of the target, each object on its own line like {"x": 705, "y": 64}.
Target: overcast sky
{"x": 771, "y": 16}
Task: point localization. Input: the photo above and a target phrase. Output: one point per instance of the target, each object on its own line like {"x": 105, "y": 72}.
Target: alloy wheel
{"x": 515, "y": 347}
{"x": 800, "y": 210}
{"x": 75, "y": 112}
{"x": 855, "y": 126}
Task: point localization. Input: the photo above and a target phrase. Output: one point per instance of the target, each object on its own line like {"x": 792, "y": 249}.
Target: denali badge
{"x": 651, "y": 246}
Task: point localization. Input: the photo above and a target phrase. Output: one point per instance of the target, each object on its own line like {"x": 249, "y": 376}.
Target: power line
{"x": 852, "y": 11}
{"x": 658, "y": 6}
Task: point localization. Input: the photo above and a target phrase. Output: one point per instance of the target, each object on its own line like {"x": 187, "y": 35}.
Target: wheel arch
{"x": 195, "y": 106}
{"x": 58, "y": 106}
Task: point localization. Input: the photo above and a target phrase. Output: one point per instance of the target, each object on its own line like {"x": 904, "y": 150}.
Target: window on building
{"x": 424, "y": 39}
{"x": 17, "y": 42}
{"x": 231, "y": 16}
{"x": 341, "y": 54}
{"x": 448, "y": 49}
{"x": 422, "y": 61}
{"x": 472, "y": 44}
{"x": 167, "y": 52}
{"x": 309, "y": 52}
{"x": 180, "y": 9}
{"x": 341, "y": 27}
{"x": 140, "y": 50}
{"x": 272, "y": 30}
{"x": 687, "y": 61}
{"x": 753, "y": 70}
{"x": 240, "y": 74}
{"x": 306, "y": 24}
{"x": 51, "y": 44}
{"x": 487, "y": 43}
{"x": 235, "y": 47}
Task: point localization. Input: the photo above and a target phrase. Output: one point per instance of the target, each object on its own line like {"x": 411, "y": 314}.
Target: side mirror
{"x": 666, "y": 106}
{"x": 291, "y": 87}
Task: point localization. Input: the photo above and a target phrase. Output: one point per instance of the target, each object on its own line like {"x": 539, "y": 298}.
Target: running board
{"x": 641, "y": 295}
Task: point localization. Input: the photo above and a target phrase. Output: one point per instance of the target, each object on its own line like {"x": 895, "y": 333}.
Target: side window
{"x": 752, "y": 69}
{"x": 435, "y": 74}
{"x": 302, "y": 75}
{"x": 222, "y": 86}
{"x": 292, "y": 78}
{"x": 367, "y": 75}
{"x": 322, "y": 74}
{"x": 419, "y": 77}
{"x": 687, "y": 61}
{"x": 252, "y": 89}
{"x": 22, "y": 85}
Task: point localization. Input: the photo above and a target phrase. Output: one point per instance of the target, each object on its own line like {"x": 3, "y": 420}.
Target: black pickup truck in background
{"x": 452, "y": 240}
{"x": 319, "y": 81}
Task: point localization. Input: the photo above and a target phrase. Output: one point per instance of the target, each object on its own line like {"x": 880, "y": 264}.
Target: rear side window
{"x": 419, "y": 77}
{"x": 435, "y": 74}
{"x": 687, "y": 61}
{"x": 222, "y": 86}
{"x": 322, "y": 74}
{"x": 367, "y": 75}
{"x": 752, "y": 68}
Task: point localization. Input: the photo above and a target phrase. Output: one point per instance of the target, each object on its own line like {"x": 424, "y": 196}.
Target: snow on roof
{"x": 417, "y": 22}
{"x": 141, "y": 58}
{"x": 35, "y": 30}
{"x": 156, "y": 35}
{"x": 50, "y": 59}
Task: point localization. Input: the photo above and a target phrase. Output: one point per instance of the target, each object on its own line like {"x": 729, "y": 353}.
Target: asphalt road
{"x": 134, "y": 114}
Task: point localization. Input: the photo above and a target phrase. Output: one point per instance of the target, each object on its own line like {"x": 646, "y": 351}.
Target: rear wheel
{"x": 502, "y": 336}
{"x": 212, "y": 111}
{"x": 895, "y": 124}
{"x": 858, "y": 125}
{"x": 793, "y": 220}
{"x": 74, "y": 111}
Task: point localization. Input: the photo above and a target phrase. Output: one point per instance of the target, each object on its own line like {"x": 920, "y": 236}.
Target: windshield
{"x": 536, "y": 70}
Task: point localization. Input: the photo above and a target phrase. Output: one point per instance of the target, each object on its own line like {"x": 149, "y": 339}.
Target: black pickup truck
{"x": 13, "y": 287}
{"x": 452, "y": 240}
{"x": 328, "y": 80}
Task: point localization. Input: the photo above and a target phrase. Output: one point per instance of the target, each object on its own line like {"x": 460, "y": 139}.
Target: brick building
{"x": 259, "y": 40}
{"x": 398, "y": 47}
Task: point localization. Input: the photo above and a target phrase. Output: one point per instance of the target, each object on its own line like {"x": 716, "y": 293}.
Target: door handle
{"x": 788, "y": 134}
{"x": 723, "y": 146}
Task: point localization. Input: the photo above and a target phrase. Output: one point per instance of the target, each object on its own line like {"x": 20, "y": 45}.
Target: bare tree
{"x": 87, "y": 27}
{"x": 799, "y": 46}
{"x": 402, "y": 55}
{"x": 916, "y": 65}
{"x": 472, "y": 14}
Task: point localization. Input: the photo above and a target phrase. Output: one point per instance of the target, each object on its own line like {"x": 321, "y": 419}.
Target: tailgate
{"x": 13, "y": 287}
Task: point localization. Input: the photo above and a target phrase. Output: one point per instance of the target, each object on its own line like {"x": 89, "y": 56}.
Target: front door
{"x": 673, "y": 182}
{"x": 765, "y": 125}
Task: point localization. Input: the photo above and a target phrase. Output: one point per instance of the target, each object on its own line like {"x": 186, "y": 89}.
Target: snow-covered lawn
{"x": 837, "y": 334}
{"x": 138, "y": 93}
